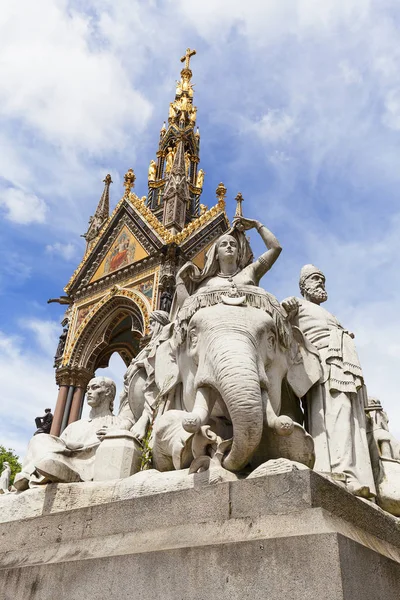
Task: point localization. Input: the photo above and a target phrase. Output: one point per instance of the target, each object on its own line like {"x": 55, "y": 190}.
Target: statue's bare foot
{"x": 191, "y": 423}
{"x": 357, "y": 489}
{"x": 56, "y": 471}
{"x": 284, "y": 425}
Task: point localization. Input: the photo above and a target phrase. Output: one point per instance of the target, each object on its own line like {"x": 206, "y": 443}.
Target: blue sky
{"x": 298, "y": 107}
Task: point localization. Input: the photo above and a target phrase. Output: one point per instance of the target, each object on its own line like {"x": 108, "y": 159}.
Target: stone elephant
{"x": 227, "y": 362}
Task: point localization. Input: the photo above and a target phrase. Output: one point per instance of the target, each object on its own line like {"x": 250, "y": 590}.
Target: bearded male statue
{"x": 334, "y": 406}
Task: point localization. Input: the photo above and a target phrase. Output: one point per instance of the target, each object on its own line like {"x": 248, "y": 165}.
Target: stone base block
{"x": 294, "y": 536}
{"x": 118, "y": 456}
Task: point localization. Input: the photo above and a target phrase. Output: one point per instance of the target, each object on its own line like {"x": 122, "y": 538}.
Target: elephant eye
{"x": 192, "y": 337}
{"x": 271, "y": 342}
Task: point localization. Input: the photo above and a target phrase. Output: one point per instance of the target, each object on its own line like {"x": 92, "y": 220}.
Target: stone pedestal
{"x": 294, "y": 536}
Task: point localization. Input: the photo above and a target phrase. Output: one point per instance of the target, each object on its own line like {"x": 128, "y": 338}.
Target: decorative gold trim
{"x": 140, "y": 207}
{"x": 135, "y": 295}
{"x": 155, "y": 291}
{"x": 165, "y": 235}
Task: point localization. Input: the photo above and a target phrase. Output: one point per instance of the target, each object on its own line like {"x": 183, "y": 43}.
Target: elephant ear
{"x": 166, "y": 368}
{"x": 306, "y": 368}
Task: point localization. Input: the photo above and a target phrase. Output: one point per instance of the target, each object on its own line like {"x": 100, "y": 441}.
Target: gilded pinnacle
{"x": 221, "y": 192}
{"x": 129, "y": 180}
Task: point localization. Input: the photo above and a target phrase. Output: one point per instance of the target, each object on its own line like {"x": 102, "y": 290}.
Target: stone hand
{"x": 102, "y": 432}
{"x": 290, "y": 305}
{"x": 244, "y": 224}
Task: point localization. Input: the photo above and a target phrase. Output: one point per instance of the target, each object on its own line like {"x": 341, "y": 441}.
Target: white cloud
{"x": 28, "y": 387}
{"x": 391, "y": 116}
{"x": 275, "y": 126}
{"x": 61, "y": 83}
{"x": 350, "y": 75}
{"x": 22, "y": 207}
{"x": 46, "y": 333}
{"x": 66, "y": 251}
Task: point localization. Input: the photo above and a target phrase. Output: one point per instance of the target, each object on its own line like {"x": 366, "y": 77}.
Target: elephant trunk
{"x": 236, "y": 377}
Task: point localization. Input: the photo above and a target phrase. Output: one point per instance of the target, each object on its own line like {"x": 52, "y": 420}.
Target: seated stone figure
{"x": 71, "y": 456}
{"x": 43, "y": 424}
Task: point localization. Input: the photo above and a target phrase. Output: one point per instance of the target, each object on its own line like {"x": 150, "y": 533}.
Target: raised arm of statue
{"x": 266, "y": 260}
{"x": 182, "y": 292}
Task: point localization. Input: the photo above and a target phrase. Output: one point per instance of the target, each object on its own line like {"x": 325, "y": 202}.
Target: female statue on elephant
{"x": 229, "y": 262}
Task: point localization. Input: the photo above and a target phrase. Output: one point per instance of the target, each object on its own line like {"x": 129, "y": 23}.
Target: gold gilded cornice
{"x": 166, "y": 236}
{"x": 142, "y": 209}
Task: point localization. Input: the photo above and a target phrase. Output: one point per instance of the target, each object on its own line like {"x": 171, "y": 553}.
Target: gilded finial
{"x": 197, "y": 134}
{"x": 129, "y": 181}
{"x": 221, "y": 192}
{"x": 163, "y": 130}
{"x": 186, "y": 59}
{"x": 239, "y": 200}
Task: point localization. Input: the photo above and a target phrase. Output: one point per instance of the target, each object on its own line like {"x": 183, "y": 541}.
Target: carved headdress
{"x": 305, "y": 273}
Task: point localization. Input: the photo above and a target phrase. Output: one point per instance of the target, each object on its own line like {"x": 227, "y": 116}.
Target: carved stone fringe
{"x": 254, "y": 298}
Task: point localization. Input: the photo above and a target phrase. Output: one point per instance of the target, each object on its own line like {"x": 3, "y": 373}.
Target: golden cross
{"x": 186, "y": 58}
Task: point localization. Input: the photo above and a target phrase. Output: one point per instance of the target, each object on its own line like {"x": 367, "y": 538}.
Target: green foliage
{"x": 9, "y": 456}
{"x": 146, "y": 452}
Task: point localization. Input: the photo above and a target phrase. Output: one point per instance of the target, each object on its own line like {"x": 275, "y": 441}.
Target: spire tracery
{"x": 101, "y": 214}
{"x": 182, "y": 115}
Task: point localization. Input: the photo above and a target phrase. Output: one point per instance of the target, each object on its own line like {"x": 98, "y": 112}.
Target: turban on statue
{"x": 305, "y": 273}
{"x": 160, "y": 316}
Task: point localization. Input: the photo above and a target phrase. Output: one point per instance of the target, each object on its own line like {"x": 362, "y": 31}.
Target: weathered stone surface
{"x": 63, "y": 497}
{"x": 293, "y": 535}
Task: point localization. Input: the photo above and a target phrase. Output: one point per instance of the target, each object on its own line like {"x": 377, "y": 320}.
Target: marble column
{"x": 76, "y": 405}
{"x": 67, "y": 407}
{"x": 72, "y": 382}
{"x": 59, "y": 410}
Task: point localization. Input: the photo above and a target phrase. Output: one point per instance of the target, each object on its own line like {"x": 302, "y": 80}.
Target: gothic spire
{"x": 102, "y": 212}
{"x": 179, "y": 131}
{"x": 103, "y": 208}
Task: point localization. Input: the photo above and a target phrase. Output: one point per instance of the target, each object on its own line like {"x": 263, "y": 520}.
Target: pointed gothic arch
{"x": 117, "y": 324}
